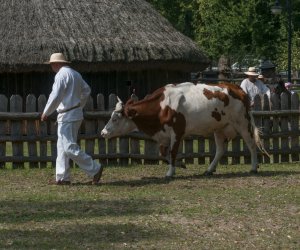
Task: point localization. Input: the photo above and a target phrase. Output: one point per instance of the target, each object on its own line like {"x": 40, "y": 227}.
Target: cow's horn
{"x": 119, "y": 100}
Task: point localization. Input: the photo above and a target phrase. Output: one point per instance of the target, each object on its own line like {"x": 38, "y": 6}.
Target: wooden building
{"x": 117, "y": 45}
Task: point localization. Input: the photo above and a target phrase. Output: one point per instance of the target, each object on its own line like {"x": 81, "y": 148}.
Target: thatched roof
{"x": 96, "y": 35}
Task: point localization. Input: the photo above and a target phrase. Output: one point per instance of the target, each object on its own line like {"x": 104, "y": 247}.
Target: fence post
{"x": 284, "y": 128}
{"x": 236, "y": 149}
{"x": 212, "y": 148}
{"x": 112, "y": 143}
{"x": 89, "y": 128}
{"x": 275, "y": 127}
{"x": 16, "y": 128}
{"x": 32, "y": 129}
{"x": 43, "y": 129}
{"x": 180, "y": 162}
{"x": 224, "y": 158}
{"x": 3, "y": 127}
{"x": 188, "y": 149}
{"x": 295, "y": 128}
{"x": 267, "y": 128}
{"x": 152, "y": 150}
{"x": 101, "y": 124}
{"x": 258, "y": 123}
{"x": 53, "y": 144}
{"x": 201, "y": 150}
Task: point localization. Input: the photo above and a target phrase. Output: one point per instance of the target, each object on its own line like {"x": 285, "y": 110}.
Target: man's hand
{"x": 44, "y": 117}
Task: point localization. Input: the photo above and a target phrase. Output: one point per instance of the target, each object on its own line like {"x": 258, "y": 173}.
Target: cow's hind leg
{"x": 250, "y": 141}
{"x": 220, "y": 140}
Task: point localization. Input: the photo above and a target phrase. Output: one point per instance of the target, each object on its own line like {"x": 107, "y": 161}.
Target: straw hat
{"x": 251, "y": 72}
{"x": 260, "y": 77}
{"x": 57, "y": 58}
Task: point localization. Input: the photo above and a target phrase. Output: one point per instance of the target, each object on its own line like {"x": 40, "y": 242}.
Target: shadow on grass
{"x": 79, "y": 236}
{"x": 40, "y": 211}
{"x": 162, "y": 180}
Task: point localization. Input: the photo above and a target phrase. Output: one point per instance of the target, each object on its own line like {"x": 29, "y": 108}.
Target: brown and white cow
{"x": 175, "y": 111}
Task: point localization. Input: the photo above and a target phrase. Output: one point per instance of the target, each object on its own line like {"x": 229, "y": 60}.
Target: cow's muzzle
{"x": 104, "y": 133}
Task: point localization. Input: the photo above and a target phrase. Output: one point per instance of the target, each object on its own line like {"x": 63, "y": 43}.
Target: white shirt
{"x": 256, "y": 88}
{"x": 68, "y": 91}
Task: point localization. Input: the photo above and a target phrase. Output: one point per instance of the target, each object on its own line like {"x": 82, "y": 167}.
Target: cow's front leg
{"x": 171, "y": 171}
{"x": 164, "y": 151}
{"x": 173, "y": 154}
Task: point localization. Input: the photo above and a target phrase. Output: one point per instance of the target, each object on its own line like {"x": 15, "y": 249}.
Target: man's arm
{"x": 243, "y": 86}
{"x": 85, "y": 93}
{"x": 54, "y": 99}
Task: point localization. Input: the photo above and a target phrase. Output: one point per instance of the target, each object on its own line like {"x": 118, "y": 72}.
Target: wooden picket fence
{"x": 25, "y": 140}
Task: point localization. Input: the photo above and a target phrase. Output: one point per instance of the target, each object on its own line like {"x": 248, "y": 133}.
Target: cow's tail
{"x": 257, "y": 132}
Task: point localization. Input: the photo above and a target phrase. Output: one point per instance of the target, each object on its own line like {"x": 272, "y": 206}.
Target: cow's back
{"x": 206, "y": 108}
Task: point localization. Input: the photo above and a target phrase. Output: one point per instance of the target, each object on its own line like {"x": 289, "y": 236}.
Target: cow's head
{"x": 118, "y": 124}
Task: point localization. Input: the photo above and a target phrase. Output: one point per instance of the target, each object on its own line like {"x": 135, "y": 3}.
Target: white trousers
{"x": 67, "y": 148}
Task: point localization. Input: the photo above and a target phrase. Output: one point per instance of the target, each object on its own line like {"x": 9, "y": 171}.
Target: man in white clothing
{"x": 68, "y": 97}
{"x": 252, "y": 86}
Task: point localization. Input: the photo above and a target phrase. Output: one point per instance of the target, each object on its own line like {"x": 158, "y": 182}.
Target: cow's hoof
{"x": 168, "y": 178}
{"x": 207, "y": 173}
{"x": 252, "y": 171}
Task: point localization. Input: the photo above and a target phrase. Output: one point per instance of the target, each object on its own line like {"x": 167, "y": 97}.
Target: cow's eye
{"x": 116, "y": 117}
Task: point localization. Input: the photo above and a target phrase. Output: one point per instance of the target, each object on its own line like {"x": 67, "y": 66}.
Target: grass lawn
{"x": 136, "y": 208}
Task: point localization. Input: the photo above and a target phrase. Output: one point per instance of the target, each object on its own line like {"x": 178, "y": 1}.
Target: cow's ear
{"x": 119, "y": 100}
{"x": 130, "y": 112}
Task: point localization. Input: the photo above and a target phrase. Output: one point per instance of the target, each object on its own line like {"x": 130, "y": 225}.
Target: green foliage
{"x": 180, "y": 13}
{"x": 236, "y": 28}
{"x": 283, "y": 53}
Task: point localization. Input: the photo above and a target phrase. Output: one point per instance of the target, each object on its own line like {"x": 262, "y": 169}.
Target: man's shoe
{"x": 60, "y": 182}
{"x": 97, "y": 176}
